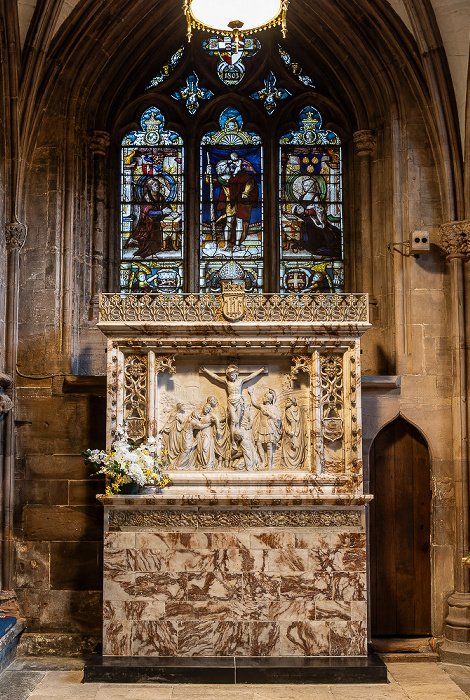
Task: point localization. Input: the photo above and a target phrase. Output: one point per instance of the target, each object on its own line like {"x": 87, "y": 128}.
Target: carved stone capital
{"x": 5, "y": 380}
{"x": 364, "y": 142}
{"x": 15, "y": 234}
{"x": 99, "y": 142}
{"x": 454, "y": 238}
{"x": 6, "y": 404}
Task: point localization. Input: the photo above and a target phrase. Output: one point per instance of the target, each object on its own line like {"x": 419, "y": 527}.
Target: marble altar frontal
{"x": 258, "y": 546}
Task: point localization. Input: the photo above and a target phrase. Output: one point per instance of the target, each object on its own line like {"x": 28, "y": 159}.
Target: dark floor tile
{"x": 17, "y": 685}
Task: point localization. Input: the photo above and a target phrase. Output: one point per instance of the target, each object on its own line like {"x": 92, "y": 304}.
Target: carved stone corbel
{"x": 6, "y": 404}
{"x": 454, "y": 238}
{"x": 15, "y": 234}
{"x": 365, "y": 142}
{"x": 99, "y": 142}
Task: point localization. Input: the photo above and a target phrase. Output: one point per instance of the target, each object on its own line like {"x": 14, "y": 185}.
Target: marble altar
{"x": 258, "y": 546}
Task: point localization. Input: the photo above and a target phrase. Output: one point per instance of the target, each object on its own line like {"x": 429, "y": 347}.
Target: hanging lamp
{"x": 242, "y": 17}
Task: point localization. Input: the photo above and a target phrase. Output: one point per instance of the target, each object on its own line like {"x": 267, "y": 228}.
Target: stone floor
{"x": 51, "y": 678}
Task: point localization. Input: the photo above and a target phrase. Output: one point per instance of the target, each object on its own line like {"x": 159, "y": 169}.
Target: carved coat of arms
{"x": 233, "y": 304}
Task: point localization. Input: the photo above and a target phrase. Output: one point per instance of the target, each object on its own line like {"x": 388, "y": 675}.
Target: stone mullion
{"x": 365, "y": 142}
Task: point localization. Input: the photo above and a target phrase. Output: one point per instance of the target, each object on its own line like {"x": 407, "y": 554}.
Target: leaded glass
{"x": 152, "y": 245}
{"x": 311, "y": 207}
{"x": 270, "y": 93}
{"x": 295, "y": 68}
{"x": 168, "y": 68}
{"x": 231, "y": 50}
{"x": 231, "y": 224}
{"x": 192, "y": 93}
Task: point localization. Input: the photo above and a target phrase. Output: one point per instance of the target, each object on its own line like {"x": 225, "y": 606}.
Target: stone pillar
{"x": 99, "y": 144}
{"x": 365, "y": 143}
{"x": 455, "y": 241}
{"x": 15, "y": 236}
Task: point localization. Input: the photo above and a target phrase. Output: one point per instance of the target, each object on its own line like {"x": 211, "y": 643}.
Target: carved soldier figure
{"x": 268, "y": 427}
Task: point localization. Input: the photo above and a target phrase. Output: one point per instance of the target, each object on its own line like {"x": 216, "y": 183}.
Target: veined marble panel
{"x": 289, "y": 592}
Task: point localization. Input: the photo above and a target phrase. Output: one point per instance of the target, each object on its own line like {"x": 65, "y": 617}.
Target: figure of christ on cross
{"x": 234, "y": 387}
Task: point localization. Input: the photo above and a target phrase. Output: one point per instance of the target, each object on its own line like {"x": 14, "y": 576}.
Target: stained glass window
{"x": 311, "y": 208}
{"x": 152, "y": 243}
{"x": 231, "y": 224}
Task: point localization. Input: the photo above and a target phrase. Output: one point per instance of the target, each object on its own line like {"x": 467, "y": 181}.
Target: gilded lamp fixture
{"x": 243, "y": 17}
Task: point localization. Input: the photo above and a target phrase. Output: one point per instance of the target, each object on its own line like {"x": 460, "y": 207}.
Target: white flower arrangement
{"x": 127, "y": 463}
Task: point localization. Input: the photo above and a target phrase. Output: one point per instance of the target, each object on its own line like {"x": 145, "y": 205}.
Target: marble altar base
{"x": 264, "y": 576}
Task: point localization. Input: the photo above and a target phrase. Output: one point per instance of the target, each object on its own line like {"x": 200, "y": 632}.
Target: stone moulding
{"x": 257, "y": 308}
{"x": 233, "y": 518}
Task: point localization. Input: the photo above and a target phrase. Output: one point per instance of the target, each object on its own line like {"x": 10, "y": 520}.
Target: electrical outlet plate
{"x": 420, "y": 242}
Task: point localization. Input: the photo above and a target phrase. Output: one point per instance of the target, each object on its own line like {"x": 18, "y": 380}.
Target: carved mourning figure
{"x": 234, "y": 385}
{"x": 245, "y": 455}
{"x": 293, "y": 439}
{"x": 206, "y": 438}
{"x": 171, "y": 432}
{"x": 267, "y": 427}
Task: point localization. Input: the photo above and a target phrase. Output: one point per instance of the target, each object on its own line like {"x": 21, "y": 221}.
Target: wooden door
{"x": 400, "y": 532}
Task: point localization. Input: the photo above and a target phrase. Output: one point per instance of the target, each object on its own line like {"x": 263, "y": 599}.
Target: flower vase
{"x": 129, "y": 489}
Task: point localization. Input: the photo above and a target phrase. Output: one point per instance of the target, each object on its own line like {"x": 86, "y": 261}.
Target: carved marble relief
{"x": 235, "y": 426}
{"x": 331, "y": 411}
{"x": 135, "y": 396}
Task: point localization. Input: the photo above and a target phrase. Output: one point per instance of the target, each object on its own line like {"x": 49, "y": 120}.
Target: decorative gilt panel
{"x": 332, "y": 401}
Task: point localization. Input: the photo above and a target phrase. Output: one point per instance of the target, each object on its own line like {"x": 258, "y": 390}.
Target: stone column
{"x": 15, "y": 236}
{"x": 365, "y": 143}
{"x": 99, "y": 144}
{"x": 455, "y": 241}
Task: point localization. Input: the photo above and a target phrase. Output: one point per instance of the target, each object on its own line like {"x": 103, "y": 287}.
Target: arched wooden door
{"x": 400, "y": 532}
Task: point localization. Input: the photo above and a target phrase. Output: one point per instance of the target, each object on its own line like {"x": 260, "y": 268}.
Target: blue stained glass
{"x": 231, "y": 50}
{"x": 270, "y": 93}
{"x": 152, "y": 207}
{"x": 295, "y": 68}
{"x": 192, "y": 93}
{"x": 231, "y": 202}
{"x": 311, "y": 207}
{"x": 168, "y": 68}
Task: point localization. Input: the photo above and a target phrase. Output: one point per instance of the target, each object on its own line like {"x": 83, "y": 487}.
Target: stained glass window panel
{"x": 231, "y": 224}
{"x": 311, "y": 222}
{"x": 152, "y": 244}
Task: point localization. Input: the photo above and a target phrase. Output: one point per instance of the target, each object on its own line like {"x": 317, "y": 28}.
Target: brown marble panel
{"x": 292, "y": 610}
{"x": 133, "y": 609}
{"x": 332, "y": 610}
{"x": 287, "y": 561}
{"x": 119, "y": 540}
{"x": 229, "y": 540}
{"x": 212, "y": 586}
{"x": 308, "y": 584}
{"x": 359, "y": 611}
{"x": 213, "y": 638}
{"x": 264, "y": 639}
{"x": 191, "y": 560}
{"x": 165, "y": 586}
{"x": 304, "y": 639}
{"x": 119, "y": 560}
{"x": 351, "y": 586}
{"x": 353, "y": 559}
{"x": 118, "y": 586}
{"x": 196, "y": 638}
{"x": 203, "y": 610}
{"x": 273, "y": 540}
{"x": 151, "y": 638}
{"x": 260, "y": 587}
{"x": 348, "y": 639}
{"x": 320, "y": 539}
{"x": 240, "y": 560}
{"x": 151, "y": 560}
{"x": 116, "y": 638}
{"x": 248, "y": 609}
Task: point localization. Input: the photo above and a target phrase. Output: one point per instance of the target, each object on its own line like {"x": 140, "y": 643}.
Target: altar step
{"x": 235, "y": 669}
{"x": 405, "y": 649}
